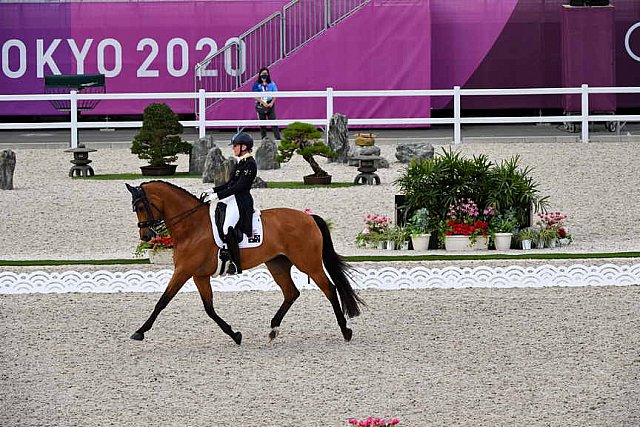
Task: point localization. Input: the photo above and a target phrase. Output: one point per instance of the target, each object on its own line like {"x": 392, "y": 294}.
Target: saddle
{"x": 245, "y": 241}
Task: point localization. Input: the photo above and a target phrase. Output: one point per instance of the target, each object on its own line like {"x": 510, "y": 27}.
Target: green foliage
{"x": 504, "y": 222}
{"x": 529, "y": 233}
{"x": 420, "y": 222}
{"x": 158, "y": 141}
{"x": 303, "y": 139}
{"x": 437, "y": 183}
{"x": 512, "y": 187}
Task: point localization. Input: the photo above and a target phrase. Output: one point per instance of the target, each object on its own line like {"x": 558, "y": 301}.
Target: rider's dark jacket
{"x": 242, "y": 177}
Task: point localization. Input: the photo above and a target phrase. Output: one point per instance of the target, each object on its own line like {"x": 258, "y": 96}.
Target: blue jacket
{"x": 269, "y": 87}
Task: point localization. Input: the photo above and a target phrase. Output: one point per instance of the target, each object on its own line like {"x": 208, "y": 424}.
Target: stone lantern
{"x": 367, "y": 168}
{"x": 80, "y": 161}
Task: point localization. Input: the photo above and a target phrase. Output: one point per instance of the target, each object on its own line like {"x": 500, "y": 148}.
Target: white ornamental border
{"x": 373, "y": 278}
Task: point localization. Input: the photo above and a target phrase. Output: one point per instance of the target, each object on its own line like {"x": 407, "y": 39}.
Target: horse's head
{"x": 148, "y": 222}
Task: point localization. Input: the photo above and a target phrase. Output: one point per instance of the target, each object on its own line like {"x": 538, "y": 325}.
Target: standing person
{"x": 265, "y": 105}
{"x": 235, "y": 199}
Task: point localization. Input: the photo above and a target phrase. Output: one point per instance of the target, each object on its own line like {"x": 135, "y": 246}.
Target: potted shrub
{"x": 420, "y": 227}
{"x": 526, "y": 236}
{"x": 304, "y": 139}
{"x": 159, "y": 140}
{"x": 502, "y": 226}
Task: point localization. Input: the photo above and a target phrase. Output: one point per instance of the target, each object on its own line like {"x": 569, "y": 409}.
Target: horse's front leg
{"x": 175, "y": 283}
{"x": 204, "y": 287}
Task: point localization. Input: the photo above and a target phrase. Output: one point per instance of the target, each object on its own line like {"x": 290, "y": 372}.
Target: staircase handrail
{"x": 206, "y": 61}
{"x": 331, "y": 15}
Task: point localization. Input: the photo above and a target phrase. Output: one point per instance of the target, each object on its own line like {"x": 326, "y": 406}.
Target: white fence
{"x": 329, "y": 94}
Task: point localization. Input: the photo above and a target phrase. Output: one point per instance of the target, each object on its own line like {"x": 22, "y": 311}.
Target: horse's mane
{"x": 175, "y": 187}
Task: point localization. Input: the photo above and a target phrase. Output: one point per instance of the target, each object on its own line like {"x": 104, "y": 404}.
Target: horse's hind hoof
{"x": 237, "y": 337}
{"x": 138, "y": 336}
{"x": 347, "y": 333}
{"x": 273, "y": 334}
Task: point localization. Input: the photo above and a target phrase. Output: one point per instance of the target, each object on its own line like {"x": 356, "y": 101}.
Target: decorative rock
{"x": 266, "y": 154}
{"x": 410, "y": 151}
{"x": 339, "y": 138}
{"x": 199, "y": 153}
{"x": 217, "y": 169}
{"x": 259, "y": 183}
{"x": 7, "y": 167}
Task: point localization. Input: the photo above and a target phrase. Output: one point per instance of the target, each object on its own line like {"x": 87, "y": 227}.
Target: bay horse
{"x": 291, "y": 237}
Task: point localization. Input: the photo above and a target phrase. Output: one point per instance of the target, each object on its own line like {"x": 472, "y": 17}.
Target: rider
{"x": 236, "y": 199}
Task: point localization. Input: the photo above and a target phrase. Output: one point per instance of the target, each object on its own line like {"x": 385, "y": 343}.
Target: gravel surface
{"x": 49, "y": 216}
{"x": 482, "y": 357}
{"x": 472, "y": 357}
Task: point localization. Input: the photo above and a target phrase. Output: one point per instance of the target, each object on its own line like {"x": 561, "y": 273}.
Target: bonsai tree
{"x": 304, "y": 139}
{"x": 158, "y": 141}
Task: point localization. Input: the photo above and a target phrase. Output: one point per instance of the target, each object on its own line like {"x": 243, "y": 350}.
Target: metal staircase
{"x": 269, "y": 41}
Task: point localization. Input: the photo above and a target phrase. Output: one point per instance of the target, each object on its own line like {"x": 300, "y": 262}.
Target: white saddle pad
{"x": 247, "y": 242}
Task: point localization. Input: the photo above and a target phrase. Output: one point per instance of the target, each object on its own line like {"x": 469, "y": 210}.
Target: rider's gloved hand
{"x": 209, "y": 196}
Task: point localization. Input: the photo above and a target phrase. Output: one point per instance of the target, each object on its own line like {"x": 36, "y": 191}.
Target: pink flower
{"x": 308, "y": 211}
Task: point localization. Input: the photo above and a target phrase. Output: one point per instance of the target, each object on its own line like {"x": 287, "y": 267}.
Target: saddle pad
{"x": 252, "y": 242}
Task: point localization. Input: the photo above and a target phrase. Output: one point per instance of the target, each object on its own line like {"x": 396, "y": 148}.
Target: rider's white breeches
{"x": 232, "y": 215}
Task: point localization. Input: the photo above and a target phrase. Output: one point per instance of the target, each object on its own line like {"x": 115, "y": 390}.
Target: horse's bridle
{"x": 152, "y": 224}
{"x": 156, "y": 224}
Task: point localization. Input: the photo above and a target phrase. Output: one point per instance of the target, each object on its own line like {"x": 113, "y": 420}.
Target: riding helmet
{"x": 244, "y": 139}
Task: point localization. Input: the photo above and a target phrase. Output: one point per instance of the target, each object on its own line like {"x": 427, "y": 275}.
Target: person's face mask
{"x": 264, "y": 76}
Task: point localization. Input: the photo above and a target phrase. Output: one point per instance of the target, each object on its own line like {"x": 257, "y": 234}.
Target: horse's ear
{"x": 130, "y": 188}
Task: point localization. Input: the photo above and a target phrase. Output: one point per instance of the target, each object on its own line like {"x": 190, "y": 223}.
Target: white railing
{"x": 329, "y": 94}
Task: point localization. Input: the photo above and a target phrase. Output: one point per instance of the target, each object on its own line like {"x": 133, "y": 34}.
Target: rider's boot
{"x": 234, "y": 250}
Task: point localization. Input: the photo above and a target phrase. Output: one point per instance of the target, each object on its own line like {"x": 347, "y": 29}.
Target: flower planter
{"x": 382, "y": 244}
{"x": 503, "y": 241}
{"x": 391, "y": 245}
{"x": 458, "y": 243}
{"x": 526, "y": 244}
{"x": 161, "y": 256}
{"x": 316, "y": 180}
{"x": 420, "y": 241}
{"x": 166, "y": 170}
{"x": 405, "y": 245}
{"x": 482, "y": 243}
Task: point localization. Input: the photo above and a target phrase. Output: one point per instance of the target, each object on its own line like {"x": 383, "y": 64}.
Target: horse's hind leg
{"x": 204, "y": 287}
{"x": 330, "y": 292}
{"x": 280, "y": 268}
{"x": 174, "y": 285}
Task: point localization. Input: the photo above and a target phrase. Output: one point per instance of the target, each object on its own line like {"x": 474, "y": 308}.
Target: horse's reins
{"x": 155, "y": 223}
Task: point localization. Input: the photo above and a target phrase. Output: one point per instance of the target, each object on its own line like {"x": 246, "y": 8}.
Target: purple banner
{"x": 400, "y": 44}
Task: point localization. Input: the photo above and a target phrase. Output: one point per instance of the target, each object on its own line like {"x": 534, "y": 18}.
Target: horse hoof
{"x": 237, "y": 337}
{"x": 273, "y": 334}
{"x": 347, "y": 333}
{"x": 138, "y": 336}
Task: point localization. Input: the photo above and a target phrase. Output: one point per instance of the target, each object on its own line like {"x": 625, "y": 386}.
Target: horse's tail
{"x": 338, "y": 271}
